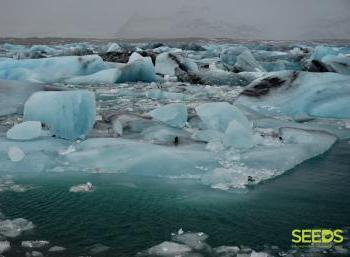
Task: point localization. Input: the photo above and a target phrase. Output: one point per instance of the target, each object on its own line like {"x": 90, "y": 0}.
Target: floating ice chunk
{"x": 35, "y": 244}
{"x": 166, "y": 249}
{"x": 4, "y": 246}
{"x": 108, "y": 76}
{"x": 174, "y": 115}
{"x": 54, "y": 69}
{"x": 56, "y": 249}
{"x": 137, "y": 69}
{"x": 218, "y": 115}
{"x": 88, "y": 187}
{"x": 192, "y": 239}
{"x": 246, "y": 62}
{"x": 259, "y": 254}
{"x": 98, "y": 248}
{"x": 238, "y": 136}
{"x": 25, "y": 131}
{"x": 301, "y": 95}
{"x": 15, "y": 154}
{"x": 14, "y": 228}
{"x": 68, "y": 114}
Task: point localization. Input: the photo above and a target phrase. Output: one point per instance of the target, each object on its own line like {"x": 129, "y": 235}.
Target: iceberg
{"x": 174, "y": 115}
{"x": 138, "y": 68}
{"x": 300, "y": 95}
{"x": 27, "y": 130}
{"x": 82, "y": 188}
{"x": 50, "y": 70}
{"x": 68, "y": 114}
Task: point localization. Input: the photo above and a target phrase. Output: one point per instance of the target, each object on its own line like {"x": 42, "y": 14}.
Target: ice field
{"x": 223, "y": 119}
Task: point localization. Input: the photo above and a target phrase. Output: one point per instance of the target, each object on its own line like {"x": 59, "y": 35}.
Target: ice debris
{"x": 35, "y": 244}
{"x": 14, "y": 228}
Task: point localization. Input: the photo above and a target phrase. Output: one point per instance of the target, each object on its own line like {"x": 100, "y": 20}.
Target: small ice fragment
{"x": 57, "y": 249}
{"x": 25, "y": 131}
{"x": 88, "y": 187}
{"x": 36, "y": 254}
{"x": 180, "y": 232}
{"x": 98, "y": 248}
{"x": 15, "y": 154}
{"x": 35, "y": 244}
{"x": 167, "y": 249}
{"x": 4, "y": 246}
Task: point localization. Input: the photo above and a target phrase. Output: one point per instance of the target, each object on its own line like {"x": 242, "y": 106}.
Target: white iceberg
{"x": 87, "y": 187}
{"x": 15, "y": 154}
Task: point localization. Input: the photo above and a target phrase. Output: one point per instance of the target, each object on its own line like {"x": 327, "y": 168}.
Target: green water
{"x": 130, "y": 214}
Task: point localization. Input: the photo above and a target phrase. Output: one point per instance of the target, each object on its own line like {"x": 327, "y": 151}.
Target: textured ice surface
{"x": 268, "y": 159}
{"x": 68, "y": 114}
{"x": 218, "y": 115}
{"x": 14, "y": 228}
{"x": 121, "y": 155}
{"x": 300, "y": 95}
{"x": 25, "y": 131}
{"x": 174, "y": 115}
{"x": 238, "y": 135}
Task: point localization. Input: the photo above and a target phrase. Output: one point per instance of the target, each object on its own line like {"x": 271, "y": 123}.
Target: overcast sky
{"x": 253, "y": 19}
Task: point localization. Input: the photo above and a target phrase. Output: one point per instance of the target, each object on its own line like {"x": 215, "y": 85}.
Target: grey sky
{"x": 253, "y": 19}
